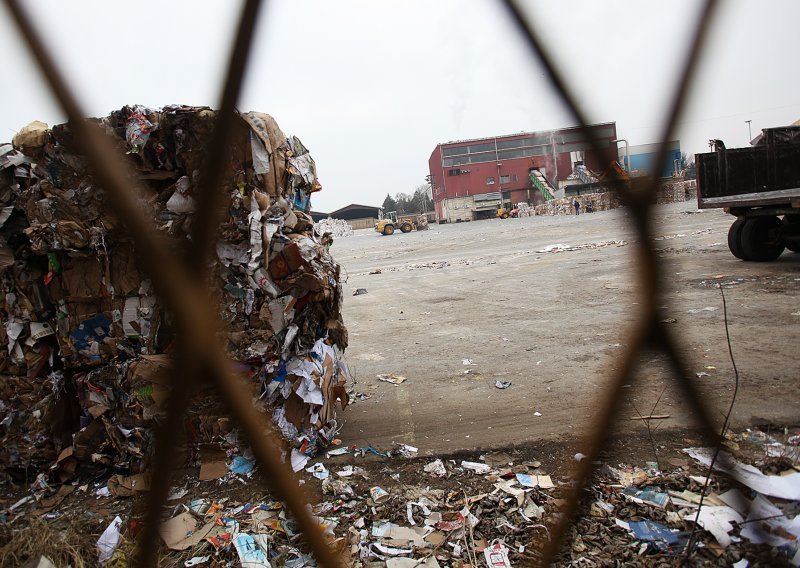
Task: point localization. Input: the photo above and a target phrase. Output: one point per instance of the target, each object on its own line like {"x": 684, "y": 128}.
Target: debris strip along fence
{"x": 179, "y": 282}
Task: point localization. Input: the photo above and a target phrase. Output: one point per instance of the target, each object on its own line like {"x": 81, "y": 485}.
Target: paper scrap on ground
{"x": 716, "y": 520}
{"x": 318, "y": 470}
{"x": 436, "y": 468}
{"x": 541, "y": 481}
{"x": 299, "y": 460}
{"x": 647, "y": 495}
{"x": 508, "y": 487}
{"x": 250, "y": 554}
{"x": 181, "y": 532}
{"x": 429, "y": 562}
{"x": 497, "y": 556}
{"x": 477, "y": 467}
{"x": 392, "y": 378}
{"x": 768, "y": 524}
{"x": 109, "y": 540}
{"x": 780, "y": 486}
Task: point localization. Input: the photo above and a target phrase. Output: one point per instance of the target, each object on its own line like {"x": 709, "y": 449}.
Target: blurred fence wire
{"x": 180, "y": 282}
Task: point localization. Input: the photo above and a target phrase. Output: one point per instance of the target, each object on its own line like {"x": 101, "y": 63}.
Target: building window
{"x": 505, "y": 179}
{"x": 514, "y": 177}
{"x": 489, "y": 181}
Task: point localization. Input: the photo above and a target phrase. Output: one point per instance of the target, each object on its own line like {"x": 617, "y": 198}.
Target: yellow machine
{"x": 406, "y": 223}
{"x": 504, "y": 213}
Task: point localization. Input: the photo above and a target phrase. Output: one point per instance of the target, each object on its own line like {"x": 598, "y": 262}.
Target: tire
{"x": 758, "y": 239}
{"x": 735, "y": 238}
{"x": 504, "y": 216}
{"x": 405, "y": 227}
{"x": 388, "y": 230}
{"x": 793, "y": 246}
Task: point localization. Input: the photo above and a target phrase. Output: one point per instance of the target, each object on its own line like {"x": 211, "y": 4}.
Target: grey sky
{"x": 371, "y": 87}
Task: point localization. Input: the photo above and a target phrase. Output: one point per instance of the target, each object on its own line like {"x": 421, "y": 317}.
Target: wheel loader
{"x": 406, "y": 223}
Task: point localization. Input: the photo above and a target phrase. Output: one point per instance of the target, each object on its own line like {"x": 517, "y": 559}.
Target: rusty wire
{"x": 183, "y": 294}
{"x": 646, "y": 332}
{"x": 180, "y": 284}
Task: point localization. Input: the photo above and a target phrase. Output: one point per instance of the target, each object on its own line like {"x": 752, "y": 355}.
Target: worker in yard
{"x": 577, "y": 207}
{"x": 589, "y": 207}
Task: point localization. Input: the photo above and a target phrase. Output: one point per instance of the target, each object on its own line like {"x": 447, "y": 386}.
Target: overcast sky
{"x": 371, "y": 87}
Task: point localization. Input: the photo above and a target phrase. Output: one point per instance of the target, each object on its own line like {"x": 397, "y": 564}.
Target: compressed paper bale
{"x": 89, "y": 288}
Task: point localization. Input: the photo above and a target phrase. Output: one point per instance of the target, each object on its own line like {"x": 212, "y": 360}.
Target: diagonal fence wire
{"x": 189, "y": 366}
{"x": 183, "y": 294}
{"x": 198, "y": 350}
{"x": 646, "y": 332}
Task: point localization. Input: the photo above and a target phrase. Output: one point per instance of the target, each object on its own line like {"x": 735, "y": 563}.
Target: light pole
{"x": 749, "y": 132}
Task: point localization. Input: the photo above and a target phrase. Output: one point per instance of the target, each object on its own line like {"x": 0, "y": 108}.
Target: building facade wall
{"x": 502, "y": 164}
{"x": 365, "y": 223}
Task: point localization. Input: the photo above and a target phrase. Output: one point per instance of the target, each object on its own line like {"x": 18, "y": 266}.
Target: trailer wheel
{"x": 758, "y": 239}
{"x": 735, "y": 238}
{"x": 793, "y": 246}
{"x": 405, "y": 227}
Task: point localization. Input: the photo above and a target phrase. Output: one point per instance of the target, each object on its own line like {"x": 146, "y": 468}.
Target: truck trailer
{"x": 760, "y": 186}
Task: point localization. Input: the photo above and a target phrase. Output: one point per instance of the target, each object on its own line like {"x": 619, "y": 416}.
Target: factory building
{"x": 471, "y": 179}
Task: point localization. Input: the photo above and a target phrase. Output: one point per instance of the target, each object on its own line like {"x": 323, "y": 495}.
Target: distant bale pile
{"x": 564, "y": 206}
{"x": 335, "y": 227}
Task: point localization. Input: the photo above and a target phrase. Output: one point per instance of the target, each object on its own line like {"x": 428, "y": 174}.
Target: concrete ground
{"x": 555, "y": 325}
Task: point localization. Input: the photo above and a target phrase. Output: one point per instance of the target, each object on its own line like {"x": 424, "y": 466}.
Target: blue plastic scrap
{"x": 241, "y": 465}
{"x": 662, "y": 537}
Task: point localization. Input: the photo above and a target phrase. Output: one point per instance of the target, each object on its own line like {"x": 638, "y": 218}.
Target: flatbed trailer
{"x": 760, "y": 186}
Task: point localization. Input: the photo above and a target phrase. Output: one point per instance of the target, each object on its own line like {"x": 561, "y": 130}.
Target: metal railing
{"x": 180, "y": 283}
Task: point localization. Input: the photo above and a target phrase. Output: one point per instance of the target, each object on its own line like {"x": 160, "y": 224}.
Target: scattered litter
{"x": 241, "y": 465}
{"x": 359, "y": 291}
{"x": 337, "y": 452}
{"x": 502, "y": 384}
{"x": 540, "y": 481}
{"x": 176, "y": 493}
{"x": 560, "y": 247}
{"x": 647, "y": 495}
{"x": 780, "y": 486}
{"x": 377, "y": 494}
{"x": 662, "y": 537}
{"x": 699, "y": 310}
{"x": 496, "y": 556}
{"x": 251, "y": 555}
{"x": 392, "y": 378}
{"x": 719, "y": 521}
{"x": 404, "y": 450}
{"x": 109, "y": 540}
{"x": 318, "y": 470}
{"x": 436, "y": 468}
{"x": 479, "y": 468}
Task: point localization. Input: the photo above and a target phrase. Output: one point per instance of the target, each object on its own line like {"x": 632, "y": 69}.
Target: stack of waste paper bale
{"x": 334, "y": 227}
{"x": 85, "y": 364}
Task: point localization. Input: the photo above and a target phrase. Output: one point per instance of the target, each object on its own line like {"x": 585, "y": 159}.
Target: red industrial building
{"x": 470, "y": 179}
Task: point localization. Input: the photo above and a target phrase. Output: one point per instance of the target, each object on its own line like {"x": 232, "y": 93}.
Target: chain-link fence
{"x": 182, "y": 286}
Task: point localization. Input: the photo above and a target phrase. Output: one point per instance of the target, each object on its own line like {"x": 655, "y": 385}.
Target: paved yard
{"x": 555, "y": 324}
